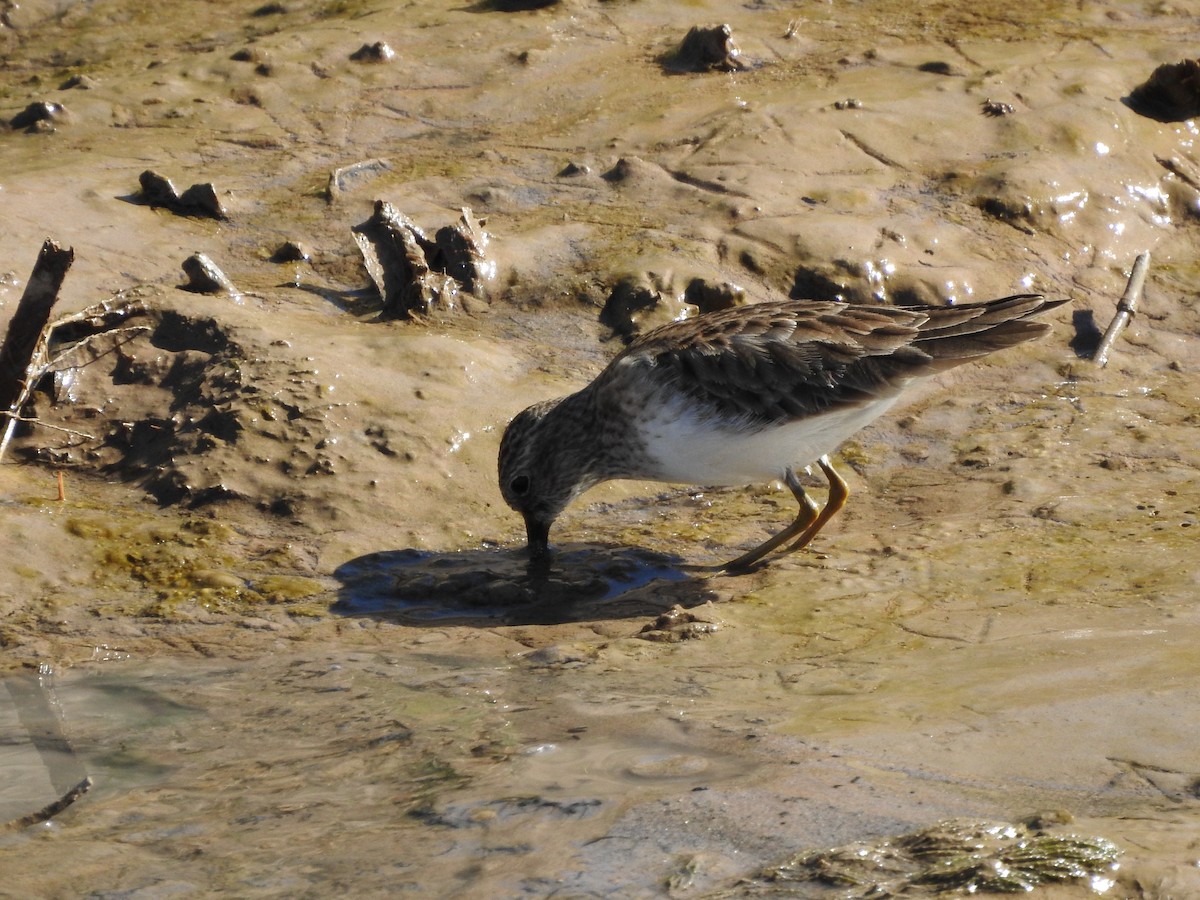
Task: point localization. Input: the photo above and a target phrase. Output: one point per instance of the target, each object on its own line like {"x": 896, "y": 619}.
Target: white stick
{"x": 1126, "y": 308}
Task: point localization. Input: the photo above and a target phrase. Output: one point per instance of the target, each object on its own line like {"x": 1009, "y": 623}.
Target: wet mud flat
{"x": 279, "y": 614}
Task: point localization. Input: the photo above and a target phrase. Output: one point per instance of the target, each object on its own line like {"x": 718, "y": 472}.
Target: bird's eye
{"x": 520, "y": 485}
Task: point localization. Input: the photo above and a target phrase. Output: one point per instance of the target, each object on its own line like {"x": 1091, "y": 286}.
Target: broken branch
{"x": 1126, "y": 307}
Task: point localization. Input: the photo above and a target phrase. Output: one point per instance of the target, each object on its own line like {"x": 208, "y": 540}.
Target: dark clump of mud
{"x": 707, "y": 49}
{"x": 205, "y": 276}
{"x": 639, "y": 302}
{"x": 41, "y": 115}
{"x": 1170, "y": 94}
{"x": 377, "y": 52}
{"x": 197, "y": 200}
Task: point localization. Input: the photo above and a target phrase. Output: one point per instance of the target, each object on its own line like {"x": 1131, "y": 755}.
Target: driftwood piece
{"x": 24, "y": 342}
{"x": 29, "y": 321}
{"x": 1126, "y": 307}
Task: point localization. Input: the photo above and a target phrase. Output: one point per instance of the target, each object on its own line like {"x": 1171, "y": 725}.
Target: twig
{"x": 59, "y": 363}
{"x": 46, "y": 813}
{"x": 62, "y": 489}
{"x": 32, "y": 420}
{"x": 1126, "y": 308}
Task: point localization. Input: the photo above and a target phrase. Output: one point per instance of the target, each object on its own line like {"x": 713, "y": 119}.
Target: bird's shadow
{"x": 503, "y": 587}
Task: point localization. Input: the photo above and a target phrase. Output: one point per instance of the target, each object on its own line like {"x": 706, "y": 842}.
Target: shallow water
{"x": 343, "y": 677}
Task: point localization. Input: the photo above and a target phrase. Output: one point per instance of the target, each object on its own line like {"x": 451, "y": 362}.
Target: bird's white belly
{"x": 689, "y": 449}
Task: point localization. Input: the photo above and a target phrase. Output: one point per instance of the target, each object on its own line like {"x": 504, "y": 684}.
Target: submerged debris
{"x": 416, "y": 276}
{"x": 205, "y": 277}
{"x": 199, "y": 200}
{"x": 707, "y": 50}
{"x": 1170, "y": 94}
{"x": 956, "y": 856}
{"x": 48, "y": 812}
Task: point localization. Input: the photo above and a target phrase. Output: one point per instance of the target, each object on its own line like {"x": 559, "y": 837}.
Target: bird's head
{"x": 541, "y": 469}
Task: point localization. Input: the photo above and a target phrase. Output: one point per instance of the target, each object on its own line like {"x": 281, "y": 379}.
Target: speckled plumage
{"x": 744, "y": 394}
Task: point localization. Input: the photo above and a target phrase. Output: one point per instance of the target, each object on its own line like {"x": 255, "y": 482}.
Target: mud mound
{"x": 191, "y": 408}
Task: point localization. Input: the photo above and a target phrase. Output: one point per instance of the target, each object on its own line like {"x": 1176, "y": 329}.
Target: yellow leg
{"x": 804, "y": 520}
{"x": 839, "y": 493}
{"x": 807, "y": 523}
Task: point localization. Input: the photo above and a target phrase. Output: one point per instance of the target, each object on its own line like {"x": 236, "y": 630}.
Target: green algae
{"x": 952, "y": 857}
{"x": 174, "y": 569}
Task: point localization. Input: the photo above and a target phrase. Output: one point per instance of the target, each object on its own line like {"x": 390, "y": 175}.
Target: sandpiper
{"x": 745, "y": 395}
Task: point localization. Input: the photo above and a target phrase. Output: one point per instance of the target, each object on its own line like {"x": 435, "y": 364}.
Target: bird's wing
{"x": 775, "y": 362}
{"x": 778, "y": 361}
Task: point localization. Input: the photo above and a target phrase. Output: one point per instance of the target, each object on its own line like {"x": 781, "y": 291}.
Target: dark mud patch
{"x": 499, "y": 587}
{"x": 1170, "y": 94}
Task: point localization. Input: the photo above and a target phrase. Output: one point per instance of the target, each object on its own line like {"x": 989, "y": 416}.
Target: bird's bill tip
{"x": 538, "y": 535}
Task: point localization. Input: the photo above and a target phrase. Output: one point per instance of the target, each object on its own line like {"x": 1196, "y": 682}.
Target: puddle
{"x": 503, "y": 587}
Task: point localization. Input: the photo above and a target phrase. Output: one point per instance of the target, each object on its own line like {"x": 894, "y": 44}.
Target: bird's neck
{"x": 599, "y": 443}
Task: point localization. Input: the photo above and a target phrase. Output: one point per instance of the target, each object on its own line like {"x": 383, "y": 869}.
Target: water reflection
{"x": 501, "y": 587}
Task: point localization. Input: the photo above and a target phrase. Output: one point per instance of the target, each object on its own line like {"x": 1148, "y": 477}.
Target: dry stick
{"x": 1126, "y": 307}
{"x": 29, "y": 420}
{"x": 27, "y": 329}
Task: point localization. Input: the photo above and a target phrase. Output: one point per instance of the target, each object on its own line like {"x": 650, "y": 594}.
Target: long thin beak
{"x": 538, "y": 534}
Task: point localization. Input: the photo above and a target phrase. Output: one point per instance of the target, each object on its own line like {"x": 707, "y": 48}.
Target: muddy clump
{"x": 639, "y": 302}
{"x": 709, "y": 49}
{"x": 205, "y": 276}
{"x": 199, "y": 200}
{"x": 417, "y": 276}
{"x": 378, "y": 52}
{"x": 42, "y": 115}
{"x": 1170, "y": 94}
{"x": 177, "y": 403}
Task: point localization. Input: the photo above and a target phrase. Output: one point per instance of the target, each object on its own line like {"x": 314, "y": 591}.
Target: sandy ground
{"x": 281, "y": 615}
